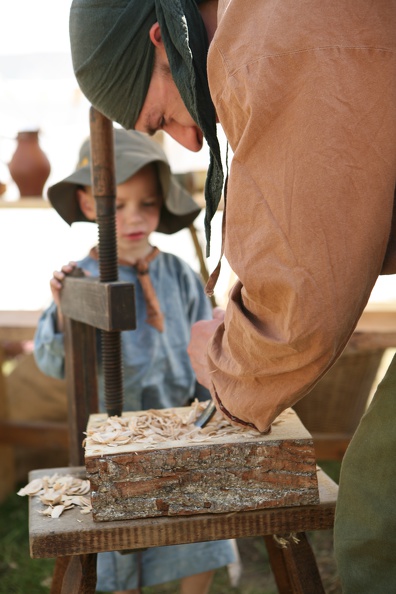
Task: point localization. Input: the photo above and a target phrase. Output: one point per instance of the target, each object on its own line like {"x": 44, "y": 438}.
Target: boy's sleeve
{"x": 49, "y": 351}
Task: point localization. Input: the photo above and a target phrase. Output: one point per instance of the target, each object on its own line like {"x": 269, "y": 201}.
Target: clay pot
{"x": 29, "y": 166}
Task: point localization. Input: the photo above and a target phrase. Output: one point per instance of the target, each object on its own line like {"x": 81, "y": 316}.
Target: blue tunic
{"x": 156, "y": 366}
{"x": 157, "y": 374}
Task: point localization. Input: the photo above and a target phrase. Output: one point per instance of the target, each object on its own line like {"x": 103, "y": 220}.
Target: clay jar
{"x": 29, "y": 166}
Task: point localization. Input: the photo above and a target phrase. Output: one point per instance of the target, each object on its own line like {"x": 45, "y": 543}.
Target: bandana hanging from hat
{"x": 113, "y": 60}
{"x": 186, "y": 43}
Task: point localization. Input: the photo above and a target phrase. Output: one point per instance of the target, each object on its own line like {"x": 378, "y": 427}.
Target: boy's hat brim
{"x": 132, "y": 151}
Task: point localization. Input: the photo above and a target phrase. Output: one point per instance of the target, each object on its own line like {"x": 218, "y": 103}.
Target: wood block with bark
{"x": 157, "y": 463}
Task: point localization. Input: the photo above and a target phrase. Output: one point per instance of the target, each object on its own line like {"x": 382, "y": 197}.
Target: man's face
{"x": 163, "y": 109}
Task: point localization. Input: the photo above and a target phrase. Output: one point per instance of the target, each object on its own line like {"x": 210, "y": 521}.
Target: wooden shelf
{"x": 378, "y": 317}
{"x": 28, "y": 202}
{"x": 18, "y": 325}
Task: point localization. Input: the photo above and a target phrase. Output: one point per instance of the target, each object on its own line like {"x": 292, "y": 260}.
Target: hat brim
{"x": 179, "y": 209}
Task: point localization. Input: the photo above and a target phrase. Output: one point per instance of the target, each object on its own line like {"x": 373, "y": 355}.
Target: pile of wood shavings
{"x": 151, "y": 427}
{"x": 59, "y": 493}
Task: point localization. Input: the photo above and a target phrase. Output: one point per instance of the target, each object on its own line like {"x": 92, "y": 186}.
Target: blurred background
{"x": 38, "y": 91}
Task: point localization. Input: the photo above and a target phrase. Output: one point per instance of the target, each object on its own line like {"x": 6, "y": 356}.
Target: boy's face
{"x": 138, "y": 207}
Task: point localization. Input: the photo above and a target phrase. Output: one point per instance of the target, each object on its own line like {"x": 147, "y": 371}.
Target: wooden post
{"x": 7, "y": 468}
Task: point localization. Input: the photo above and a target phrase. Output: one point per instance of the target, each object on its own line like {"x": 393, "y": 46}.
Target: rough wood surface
{"x": 81, "y": 382}
{"x": 225, "y": 474}
{"x": 108, "y": 306}
{"x": 74, "y": 533}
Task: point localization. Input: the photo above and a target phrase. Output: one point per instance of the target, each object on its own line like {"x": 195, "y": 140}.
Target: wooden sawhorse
{"x": 75, "y": 539}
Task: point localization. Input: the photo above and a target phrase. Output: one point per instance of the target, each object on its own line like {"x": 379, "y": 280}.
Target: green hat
{"x": 113, "y": 60}
{"x": 132, "y": 151}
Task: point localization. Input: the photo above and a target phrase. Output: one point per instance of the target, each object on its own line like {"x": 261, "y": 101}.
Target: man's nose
{"x": 187, "y": 136}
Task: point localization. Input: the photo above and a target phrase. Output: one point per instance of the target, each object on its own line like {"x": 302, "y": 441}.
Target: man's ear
{"x": 87, "y": 204}
{"x": 155, "y": 35}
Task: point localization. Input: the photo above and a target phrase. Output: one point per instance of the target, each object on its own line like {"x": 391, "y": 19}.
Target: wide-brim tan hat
{"x": 132, "y": 151}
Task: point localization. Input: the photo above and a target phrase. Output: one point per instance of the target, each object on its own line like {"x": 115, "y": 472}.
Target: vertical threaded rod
{"x": 104, "y": 190}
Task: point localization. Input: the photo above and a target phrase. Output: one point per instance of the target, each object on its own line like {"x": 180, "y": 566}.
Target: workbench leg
{"x": 75, "y": 575}
{"x": 294, "y": 565}
{"x": 61, "y": 564}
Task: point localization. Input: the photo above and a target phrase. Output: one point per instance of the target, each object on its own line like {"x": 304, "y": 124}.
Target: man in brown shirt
{"x": 306, "y": 95}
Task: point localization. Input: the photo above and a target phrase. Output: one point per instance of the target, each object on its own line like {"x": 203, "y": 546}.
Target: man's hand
{"x": 201, "y": 332}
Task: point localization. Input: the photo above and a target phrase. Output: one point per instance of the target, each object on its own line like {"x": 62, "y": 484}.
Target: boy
{"x": 169, "y": 299}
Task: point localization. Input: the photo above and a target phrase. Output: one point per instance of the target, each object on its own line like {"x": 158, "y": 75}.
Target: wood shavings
{"x": 59, "y": 493}
{"x": 284, "y": 541}
{"x": 152, "y": 427}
